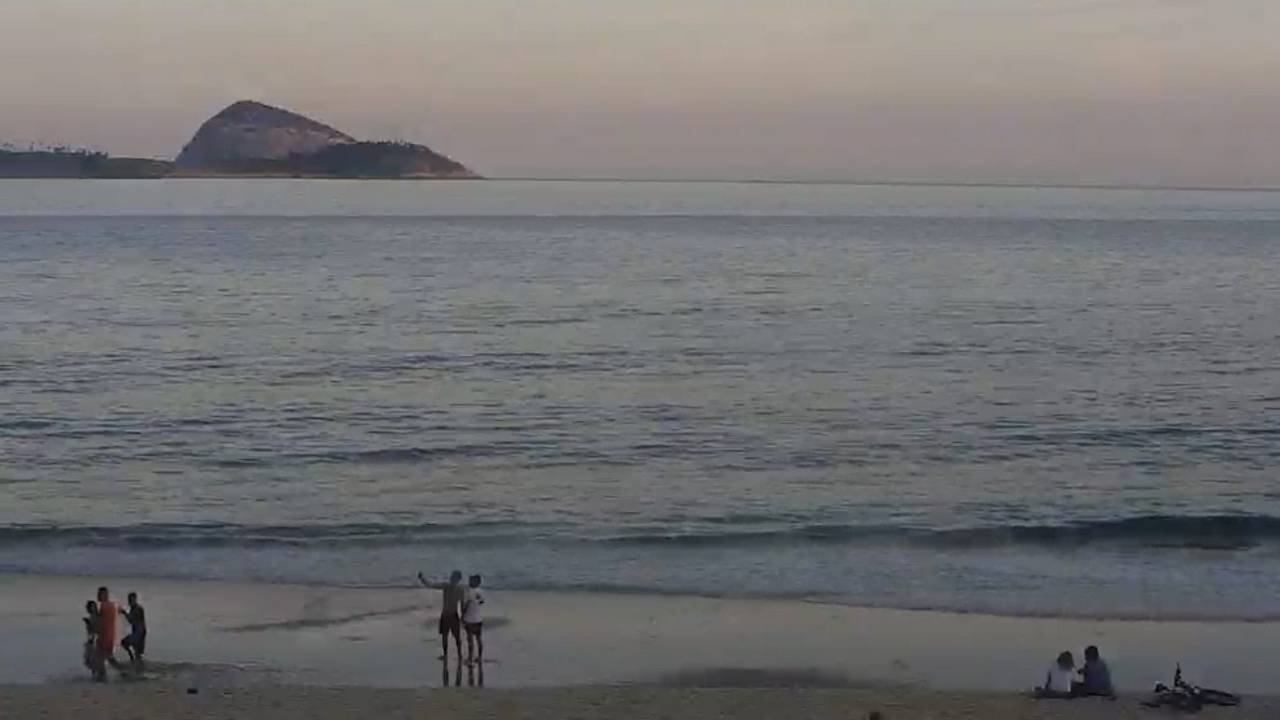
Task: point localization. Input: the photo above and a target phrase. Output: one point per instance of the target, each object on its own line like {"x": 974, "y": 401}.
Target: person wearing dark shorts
{"x": 135, "y": 643}
{"x": 450, "y": 613}
{"x": 450, "y": 624}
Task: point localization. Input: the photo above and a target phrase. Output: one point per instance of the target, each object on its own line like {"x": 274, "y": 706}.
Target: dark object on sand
{"x": 193, "y": 691}
{"x": 875, "y": 715}
{"x": 1185, "y": 696}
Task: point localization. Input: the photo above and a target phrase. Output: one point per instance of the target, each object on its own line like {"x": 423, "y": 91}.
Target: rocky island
{"x": 250, "y": 139}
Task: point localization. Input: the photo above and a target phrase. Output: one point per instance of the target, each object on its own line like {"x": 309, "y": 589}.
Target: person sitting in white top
{"x": 1058, "y": 681}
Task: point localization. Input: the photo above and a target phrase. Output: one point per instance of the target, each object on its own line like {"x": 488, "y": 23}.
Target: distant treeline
{"x": 351, "y": 160}
{"x": 347, "y": 160}
{"x": 62, "y": 162}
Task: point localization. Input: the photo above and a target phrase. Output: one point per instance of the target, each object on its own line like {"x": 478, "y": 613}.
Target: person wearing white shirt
{"x": 1058, "y": 681}
{"x": 473, "y": 620}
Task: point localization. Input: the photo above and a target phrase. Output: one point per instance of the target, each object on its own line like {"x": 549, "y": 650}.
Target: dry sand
{"x": 147, "y": 702}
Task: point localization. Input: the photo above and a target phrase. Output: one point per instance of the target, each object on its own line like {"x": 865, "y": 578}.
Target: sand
{"x": 599, "y": 703}
{"x": 231, "y": 634}
{"x": 279, "y": 651}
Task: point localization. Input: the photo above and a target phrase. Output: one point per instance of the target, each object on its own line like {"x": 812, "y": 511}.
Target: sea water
{"x": 1012, "y": 400}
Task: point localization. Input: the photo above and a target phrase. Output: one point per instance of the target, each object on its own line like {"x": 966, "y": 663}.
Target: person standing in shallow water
{"x": 450, "y": 613}
{"x": 91, "y": 637}
{"x": 135, "y": 643}
{"x": 106, "y": 635}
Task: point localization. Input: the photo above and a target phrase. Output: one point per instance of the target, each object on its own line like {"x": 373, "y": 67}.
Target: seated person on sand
{"x": 1095, "y": 676}
{"x": 1058, "y": 682}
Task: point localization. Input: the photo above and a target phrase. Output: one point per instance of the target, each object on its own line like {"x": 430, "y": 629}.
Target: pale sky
{"x": 1175, "y": 92}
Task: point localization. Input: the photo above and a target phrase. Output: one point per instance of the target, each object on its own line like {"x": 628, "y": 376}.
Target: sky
{"x": 1149, "y": 92}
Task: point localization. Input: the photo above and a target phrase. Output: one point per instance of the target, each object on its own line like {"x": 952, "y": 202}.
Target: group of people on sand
{"x": 1094, "y": 677}
{"x": 102, "y": 617}
{"x": 461, "y": 611}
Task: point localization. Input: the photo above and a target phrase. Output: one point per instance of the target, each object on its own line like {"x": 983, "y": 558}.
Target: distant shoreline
{"x": 891, "y": 183}
{"x": 667, "y": 181}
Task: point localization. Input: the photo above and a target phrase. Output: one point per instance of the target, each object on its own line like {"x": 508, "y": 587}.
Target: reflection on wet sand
{"x": 475, "y": 673}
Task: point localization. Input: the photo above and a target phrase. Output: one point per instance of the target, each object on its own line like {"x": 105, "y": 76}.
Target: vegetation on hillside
{"x": 350, "y": 160}
{"x": 344, "y": 160}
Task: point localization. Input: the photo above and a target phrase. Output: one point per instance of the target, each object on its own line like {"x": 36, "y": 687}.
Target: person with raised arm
{"x": 450, "y": 612}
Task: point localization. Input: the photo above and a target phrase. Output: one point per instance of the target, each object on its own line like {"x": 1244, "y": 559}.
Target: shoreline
{"x": 640, "y": 592}
{"x": 256, "y": 176}
{"x": 239, "y": 634}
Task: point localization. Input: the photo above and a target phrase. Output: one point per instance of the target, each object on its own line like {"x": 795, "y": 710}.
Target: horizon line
{"x": 891, "y": 183}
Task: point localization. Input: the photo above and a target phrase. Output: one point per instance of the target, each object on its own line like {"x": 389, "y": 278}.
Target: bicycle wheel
{"x": 1157, "y": 700}
{"x": 1218, "y": 697}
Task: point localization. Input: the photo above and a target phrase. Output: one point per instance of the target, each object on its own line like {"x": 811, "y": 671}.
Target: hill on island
{"x": 248, "y": 139}
{"x": 248, "y": 131}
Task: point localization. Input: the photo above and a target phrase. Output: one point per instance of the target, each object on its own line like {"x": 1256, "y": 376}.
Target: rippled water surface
{"x": 1012, "y": 400}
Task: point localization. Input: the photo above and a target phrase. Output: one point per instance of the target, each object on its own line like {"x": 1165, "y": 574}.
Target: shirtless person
{"x": 135, "y": 643}
{"x": 450, "y": 613}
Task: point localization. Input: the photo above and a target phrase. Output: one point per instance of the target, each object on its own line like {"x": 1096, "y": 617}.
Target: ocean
{"x": 1009, "y": 400}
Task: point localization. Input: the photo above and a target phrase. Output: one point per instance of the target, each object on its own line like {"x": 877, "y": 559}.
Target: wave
{"x": 1189, "y": 531}
{"x": 386, "y": 456}
{"x": 382, "y": 456}
{"x": 175, "y": 535}
{"x": 1170, "y": 531}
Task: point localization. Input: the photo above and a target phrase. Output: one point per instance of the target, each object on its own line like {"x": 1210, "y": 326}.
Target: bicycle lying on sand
{"x": 1185, "y": 696}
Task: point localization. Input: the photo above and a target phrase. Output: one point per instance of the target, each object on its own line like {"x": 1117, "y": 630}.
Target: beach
{"x": 258, "y": 650}
{"x": 602, "y": 703}
{"x": 859, "y": 360}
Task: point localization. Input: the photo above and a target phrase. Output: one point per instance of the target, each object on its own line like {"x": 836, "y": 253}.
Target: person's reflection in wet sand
{"x": 475, "y": 674}
{"x": 457, "y": 673}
